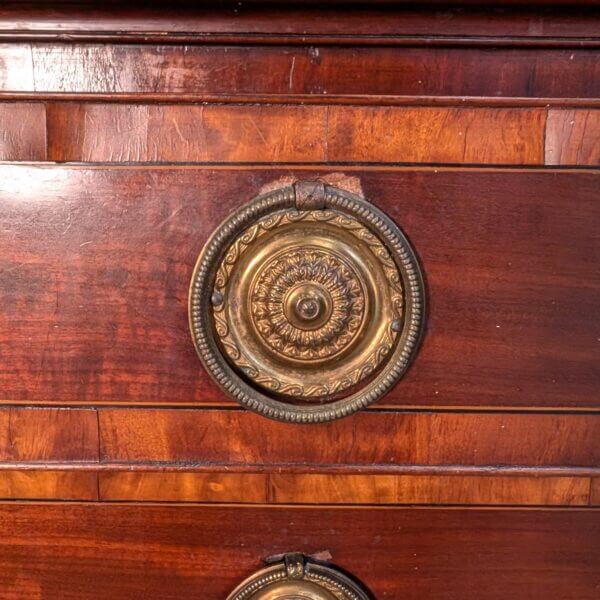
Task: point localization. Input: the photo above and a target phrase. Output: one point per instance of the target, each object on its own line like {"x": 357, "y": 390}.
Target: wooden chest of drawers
{"x": 362, "y": 171}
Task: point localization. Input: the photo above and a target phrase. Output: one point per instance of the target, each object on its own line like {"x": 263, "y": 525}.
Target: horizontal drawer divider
{"x": 109, "y": 483}
{"x": 300, "y": 99}
{"x": 368, "y": 439}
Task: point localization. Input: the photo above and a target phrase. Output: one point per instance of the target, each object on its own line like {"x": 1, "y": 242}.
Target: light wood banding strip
{"x": 424, "y": 489}
{"x": 48, "y": 435}
{"x": 184, "y": 487}
{"x": 172, "y": 133}
{"x": 296, "y": 488}
{"x": 573, "y": 137}
{"x": 163, "y": 133}
{"x": 595, "y": 491}
{"x": 90, "y": 132}
{"x": 48, "y": 485}
{"x": 436, "y": 135}
{"x": 22, "y": 131}
{"x": 367, "y": 439}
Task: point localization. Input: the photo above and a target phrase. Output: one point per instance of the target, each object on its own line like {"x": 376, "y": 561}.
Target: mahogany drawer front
{"x": 96, "y": 264}
{"x": 171, "y": 552}
{"x": 363, "y": 65}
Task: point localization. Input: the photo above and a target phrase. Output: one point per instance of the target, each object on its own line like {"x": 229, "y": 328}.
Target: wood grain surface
{"x": 70, "y": 19}
{"x": 595, "y": 491}
{"x": 104, "y": 132}
{"x": 322, "y": 70}
{"x": 142, "y": 133}
{"x": 22, "y": 131}
{"x": 237, "y": 456}
{"x": 138, "y": 133}
{"x": 87, "y": 552}
{"x": 184, "y": 487}
{"x": 48, "y": 485}
{"x": 319, "y": 488}
{"x": 367, "y": 440}
{"x": 327, "y": 488}
{"x": 573, "y": 137}
{"x": 436, "y": 135}
{"x": 96, "y": 483}
{"x": 48, "y": 435}
{"x": 95, "y": 265}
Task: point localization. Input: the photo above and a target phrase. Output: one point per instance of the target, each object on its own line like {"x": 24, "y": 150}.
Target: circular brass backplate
{"x": 306, "y": 315}
{"x": 295, "y": 579}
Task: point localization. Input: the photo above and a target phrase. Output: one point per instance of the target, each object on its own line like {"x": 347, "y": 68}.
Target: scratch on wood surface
{"x": 258, "y": 130}
{"x": 291, "y": 76}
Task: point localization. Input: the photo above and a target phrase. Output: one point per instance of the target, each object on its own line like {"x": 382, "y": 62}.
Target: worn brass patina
{"x": 306, "y": 304}
{"x": 297, "y": 579}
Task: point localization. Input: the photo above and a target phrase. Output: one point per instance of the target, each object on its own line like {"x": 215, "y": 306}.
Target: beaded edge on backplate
{"x": 200, "y": 306}
{"x": 330, "y": 580}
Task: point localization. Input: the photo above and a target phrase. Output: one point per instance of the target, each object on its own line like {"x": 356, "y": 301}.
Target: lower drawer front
{"x": 100, "y": 551}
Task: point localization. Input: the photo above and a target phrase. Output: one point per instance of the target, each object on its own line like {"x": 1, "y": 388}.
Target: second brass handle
{"x": 296, "y": 577}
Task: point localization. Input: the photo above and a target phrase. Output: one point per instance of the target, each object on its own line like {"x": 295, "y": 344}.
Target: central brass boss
{"x": 306, "y": 305}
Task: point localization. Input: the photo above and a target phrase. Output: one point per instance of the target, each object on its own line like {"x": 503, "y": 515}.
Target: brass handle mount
{"x": 296, "y": 578}
{"x": 307, "y": 303}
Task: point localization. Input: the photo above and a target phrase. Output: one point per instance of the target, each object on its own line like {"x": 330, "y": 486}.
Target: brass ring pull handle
{"x": 297, "y": 579}
{"x": 306, "y": 304}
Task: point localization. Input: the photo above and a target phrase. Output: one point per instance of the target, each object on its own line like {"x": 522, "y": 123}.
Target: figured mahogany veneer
{"x": 171, "y": 552}
{"x": 129, "y": 133}
{"x": 210, "y": 486}
{"x": 116, "y": 133}
{"x": 95, "y": 266}
{"x": 387, "y": 458}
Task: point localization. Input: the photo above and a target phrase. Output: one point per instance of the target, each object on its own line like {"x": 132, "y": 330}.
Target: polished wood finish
{"x": 87, "y": 552}
{"x": 96, "y": 264}
{"x": 125, "y": 133}
{"x": 22, "y": 131}
{"x": 95, "y": 482}
{"x": 426, "y": 489}
{"x": 73, "y": 19}
{"x": 573, "y": 137}
{"x": 184, "y": 487}
{"x": 105, "y": 439}
{"x": 436, "y": 135}
{"x": 102, "y": 132}
{"x": 368, "y": 440}
{"x": 320, "y": 488}
{"x": 595, "y": 492}
{"x": 97, "y": 132}
{"x": 321, "y": 70}
{"x": 48, "y": 485}
{"x": 113, "y": 133}
{"x": 48, "y": 435}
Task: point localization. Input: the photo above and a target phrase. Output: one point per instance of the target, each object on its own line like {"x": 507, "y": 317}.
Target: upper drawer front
{"x": 95, "y": 265}
{"x": 417, "y": 67}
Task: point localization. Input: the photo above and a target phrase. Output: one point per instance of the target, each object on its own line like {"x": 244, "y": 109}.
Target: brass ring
{"x": 306, "y": 313}
{"x": 296, "y": 577}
